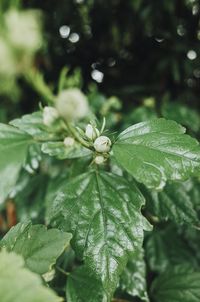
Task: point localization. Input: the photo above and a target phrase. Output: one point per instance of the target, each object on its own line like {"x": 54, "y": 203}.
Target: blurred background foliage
{"x": 134, "y": 49}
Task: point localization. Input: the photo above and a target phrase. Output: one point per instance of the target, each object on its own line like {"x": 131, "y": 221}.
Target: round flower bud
{"x": 69, "y": 141}
{"x": 99, "y": 160}
{"x": 102, "y": 144}
{"x": 72, "y": 104}
{"x": 50, "y": 114}
{"x": 91, "y": 132}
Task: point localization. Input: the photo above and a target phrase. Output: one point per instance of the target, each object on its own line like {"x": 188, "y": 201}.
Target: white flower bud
{"x": 102, "y": 144}
{"x": 91, "y": 132}
{"x": 69, "y": 141}
{"x": 50, "y": 114}
{"x": 99, "y": 160}
{"x": 72, "y": 104}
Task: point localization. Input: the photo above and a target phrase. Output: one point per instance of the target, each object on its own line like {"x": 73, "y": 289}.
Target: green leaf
{"x": 18, "y": 284}
{"x": 82, "y": 285}
{"x": 179, "y": 283}
{"x": 102, "y": 210}
{"x": 133, "y": 279}
{"x": 13, "y": 150}
{"x": 167, "y": 247}
{"x": 182, "y": 114}
{"x": 174, "y": 203}
{"x": 29, "y": 196}
{"x": 60, "y": 151}
{"x": 156, "y": 151}
{"x": 33, "y": 125}
{"x": 39, "y": 247}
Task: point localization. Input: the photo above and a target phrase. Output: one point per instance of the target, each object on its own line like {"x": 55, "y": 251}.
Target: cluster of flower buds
{"x": 101, "y": 143}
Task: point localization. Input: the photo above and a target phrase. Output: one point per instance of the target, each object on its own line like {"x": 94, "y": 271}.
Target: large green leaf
{"x": 83, "y": 286}
{"x": 17, "y": 284}
{"x": 102, "y": 210}
{"x": 13, "y": 149}
{"x": 156, "y": 151}
{"x": 133, "y": 279}
{"x": 174, "y": 203}
{"x": 179, "y": 283}
{"x": 39, "y": 247}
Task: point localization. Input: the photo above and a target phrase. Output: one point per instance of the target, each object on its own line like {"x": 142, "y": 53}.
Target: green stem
{"x": 76, "y": 135}
{"x": 62, "y": 271}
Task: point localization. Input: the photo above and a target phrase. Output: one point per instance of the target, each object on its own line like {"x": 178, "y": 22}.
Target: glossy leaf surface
{"x": 156, "y": 151}
{"x": 102, "y": 210}
{"x": 13, "y": 150}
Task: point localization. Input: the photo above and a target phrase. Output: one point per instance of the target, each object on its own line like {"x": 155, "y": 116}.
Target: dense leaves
{"x": 102, "y": 211}
{"x": 165, "y": 247}
{"x": 83, "y": 285}
{"x": 174, "y": 202}
{"x": 39, "y": 247}
{"x": 156, "y": 151}
{"x": 20, "y": 285}
{"x": 179, "y": 283}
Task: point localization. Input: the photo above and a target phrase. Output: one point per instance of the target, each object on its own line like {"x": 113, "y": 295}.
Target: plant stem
{"x": 62, "y": 271}
{"x": 73, "y": 131}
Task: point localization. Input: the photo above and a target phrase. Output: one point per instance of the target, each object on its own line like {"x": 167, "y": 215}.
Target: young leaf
{"x": 18, "y": 284}
{"x": 133, "y": 279}
{"x": 174, "y": 203}
{"x": 13, "y": 149}
{"x": 82, "y": 285}
{"x": 156, "y": 151}
{"x": 39, "y": 247}
{"x": 59, "y": 150}
{"x": 179, "y": 283}
{"x": 102, "y": 210}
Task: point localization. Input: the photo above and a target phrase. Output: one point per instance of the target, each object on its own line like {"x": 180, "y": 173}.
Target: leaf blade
{"x": 106, "y": 222}
{"x": 39, "y": 247}
{"x": 156, "y": 151}
{"x": 20, "y": 285}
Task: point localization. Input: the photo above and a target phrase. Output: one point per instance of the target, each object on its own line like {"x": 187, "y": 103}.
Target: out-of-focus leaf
{"x": 182, "y": 114}
{"x": 18, "y": 284}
